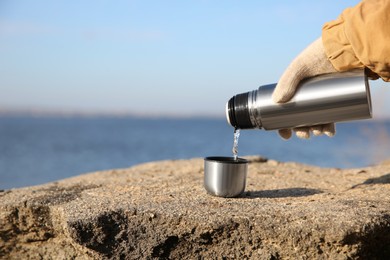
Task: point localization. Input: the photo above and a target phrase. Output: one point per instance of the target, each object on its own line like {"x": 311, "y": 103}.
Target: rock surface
{"x": 160, "y": 210}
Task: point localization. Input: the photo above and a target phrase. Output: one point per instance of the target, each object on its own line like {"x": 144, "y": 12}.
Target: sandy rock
{"x": 160, "y": 210}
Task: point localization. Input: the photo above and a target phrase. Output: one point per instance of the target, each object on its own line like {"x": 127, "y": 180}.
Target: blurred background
{"x": 92, "y": 85}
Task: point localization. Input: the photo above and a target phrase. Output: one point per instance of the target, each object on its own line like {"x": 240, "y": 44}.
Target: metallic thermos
{"x": 323, "y": 99}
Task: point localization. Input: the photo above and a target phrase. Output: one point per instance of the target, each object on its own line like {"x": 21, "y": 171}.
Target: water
{"x": 235, "y": 143}
{"x": 37, "y": 150}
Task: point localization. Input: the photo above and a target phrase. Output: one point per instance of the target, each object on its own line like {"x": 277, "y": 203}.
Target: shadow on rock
{"x": 384, "y": 179}
{"x": 281, "y": 193}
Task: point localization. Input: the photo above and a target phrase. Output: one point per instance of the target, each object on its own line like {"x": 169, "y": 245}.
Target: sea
{"x": 40, "y": 149}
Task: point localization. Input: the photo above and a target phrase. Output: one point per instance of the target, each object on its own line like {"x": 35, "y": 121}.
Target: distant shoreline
{"x": 42, "y": 113}
{"x": 89, "y": 114}
{"x": 77, "y": 113}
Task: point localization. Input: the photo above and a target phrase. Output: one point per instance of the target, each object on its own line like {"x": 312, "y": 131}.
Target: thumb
{"x": 288, "y": 83}
{"x": 310, "y": 62}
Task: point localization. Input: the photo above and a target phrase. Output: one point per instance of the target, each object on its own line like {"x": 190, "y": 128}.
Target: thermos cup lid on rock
{"x": 225, "y": 176}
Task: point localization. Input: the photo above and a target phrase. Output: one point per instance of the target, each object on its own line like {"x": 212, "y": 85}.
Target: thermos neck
{"x": 237, "y": 112}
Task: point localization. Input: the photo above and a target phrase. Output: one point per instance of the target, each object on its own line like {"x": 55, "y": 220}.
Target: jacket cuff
{"x": 337, "y": 47}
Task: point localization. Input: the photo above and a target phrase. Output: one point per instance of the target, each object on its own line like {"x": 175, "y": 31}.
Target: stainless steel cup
{"x": 225, "y": 176}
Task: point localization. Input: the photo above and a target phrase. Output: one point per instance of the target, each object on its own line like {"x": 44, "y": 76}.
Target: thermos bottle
{"x": 319, "y": 100}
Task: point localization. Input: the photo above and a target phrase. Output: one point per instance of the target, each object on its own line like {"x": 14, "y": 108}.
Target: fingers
{"x": 329, "y": 129}
{"x": 285, "y": 133}
{"x": 304, "y": 132}
{"x": 317, "y": 130}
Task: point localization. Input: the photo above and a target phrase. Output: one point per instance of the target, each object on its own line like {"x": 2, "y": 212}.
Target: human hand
{"x": 310, "y": 62}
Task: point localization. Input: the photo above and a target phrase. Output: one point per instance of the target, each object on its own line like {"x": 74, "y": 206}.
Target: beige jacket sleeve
{"x": 360, "y": 37}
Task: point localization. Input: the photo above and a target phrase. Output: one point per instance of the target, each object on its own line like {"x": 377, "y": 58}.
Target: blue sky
{"x": 149, "y": 57}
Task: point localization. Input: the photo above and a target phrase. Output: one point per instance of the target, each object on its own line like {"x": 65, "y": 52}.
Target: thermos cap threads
{"x": 238, "y": 113}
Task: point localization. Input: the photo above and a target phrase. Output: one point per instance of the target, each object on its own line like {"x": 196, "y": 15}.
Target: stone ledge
{"x": 160, "y": 210}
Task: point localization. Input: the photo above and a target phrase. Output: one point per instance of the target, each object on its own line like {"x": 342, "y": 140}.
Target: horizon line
{"x": 39, "y": 112}
{"x": 68, "y": 113}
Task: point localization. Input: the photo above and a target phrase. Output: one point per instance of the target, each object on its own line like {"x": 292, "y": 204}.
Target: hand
{"x": 311, "y": 62}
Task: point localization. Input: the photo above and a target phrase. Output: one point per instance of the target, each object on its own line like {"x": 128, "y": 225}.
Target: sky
{"x": 179, "y": 58}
